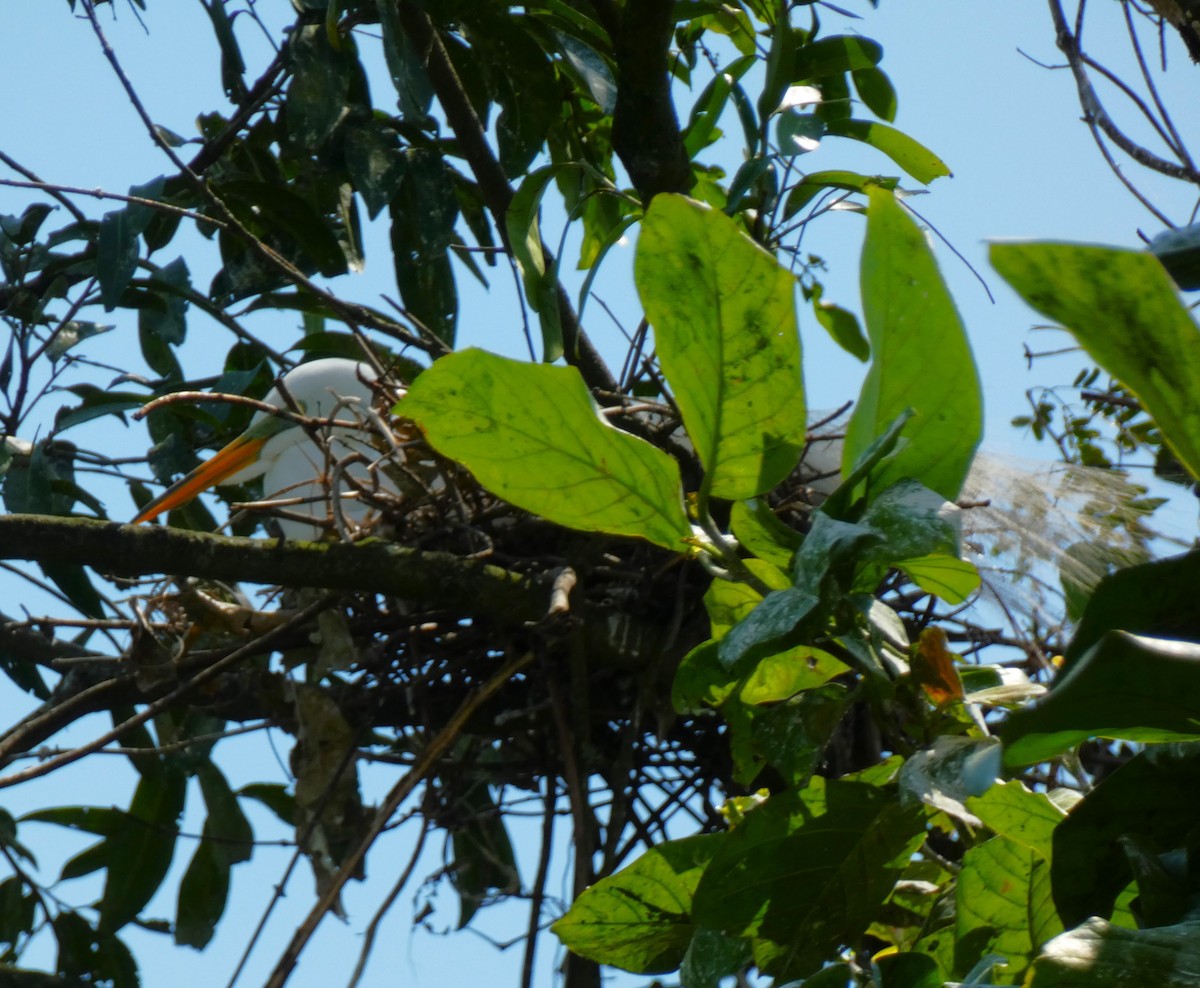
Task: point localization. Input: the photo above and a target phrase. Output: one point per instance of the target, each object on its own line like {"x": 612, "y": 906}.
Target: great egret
{"x": 308, "y": 473}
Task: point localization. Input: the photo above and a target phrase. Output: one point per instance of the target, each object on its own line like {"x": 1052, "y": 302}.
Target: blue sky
{"x": 1024, "y": 167}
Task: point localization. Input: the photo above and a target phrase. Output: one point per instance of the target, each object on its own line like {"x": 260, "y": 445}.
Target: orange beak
{"x": 238, "y": 455}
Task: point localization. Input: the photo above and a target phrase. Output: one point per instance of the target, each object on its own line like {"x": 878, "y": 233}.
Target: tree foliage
{"x": 628, "y": 597}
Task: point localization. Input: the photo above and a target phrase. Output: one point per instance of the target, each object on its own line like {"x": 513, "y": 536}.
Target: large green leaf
{"x": 724, "y": 317}
{"x": 530, "y": 433}
{"x": 1156, "y": 599}
{"x": 1126, "y": 687}
{"x": 1099, "y": 954}
{"x": 640, "y": 918}
{"x": 1122, "y": 307}
{"x": 1003, "y": 905}
{"x": 921, "y": 358}
{"x": 1152, "y": 797}
{"x": 806, "y": 871}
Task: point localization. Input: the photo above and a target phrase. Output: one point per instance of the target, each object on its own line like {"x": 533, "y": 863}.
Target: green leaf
{"x": 843, "y": 328}
{"x": 710, "y": 957}
{"x": 319, "y": 90}
{"x": 876, "y": 90}
{"x": 807, "y": 871}
{"x": 916, "y": 159}
{"x": 1156, "y": 599}
{"x": 539, "y": 281}
{"x": 711, "y": 104}
{"x": 203, "y": 892}
{"x": 921, "y": 358}
{"x": 835, "y": 55}
{"x": 724, "y": 317}
{"x": 1125, "y": 687}
{"x": 1101, "y": 955}
{"x": 405, "y": 66}
{"x": 787, "y": 673}
{"x": 639, "y": 919}
{"x": 141, "y": 851}
{"x": 952, "y": 579}
{"x": 274, "y": 797}
{"x": 1012, "y": 811}
{"x": 1152, "y": 797}
{"x": 946, "y": 774}
{"x": 1003, "y": 906}
{"x": 484, "y": 860}
{"x": 530, "y": 434}
{"x": 814, "y": 183}
{"x": 116, "y": 256}
{"x": 758, "y": 529}
{"x": 374, "y": 161}
{"x": 1124, "y": 310}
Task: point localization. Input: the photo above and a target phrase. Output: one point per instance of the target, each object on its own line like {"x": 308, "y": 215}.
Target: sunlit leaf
{"x": 531, "y": 434}
{"x": 723, "y": 312}
{"x": 920, "y": 358}
{"x": 1125, "y": 311}
{"x": 916, "y": 159}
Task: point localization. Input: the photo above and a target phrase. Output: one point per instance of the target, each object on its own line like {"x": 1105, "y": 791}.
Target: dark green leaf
{"x": 319, "y": 92}
{"x": 141, "y": 851}
{"x": 274, "y": 797}
{"x": 835, "y": 55}
{"x": 203, "y": 892}
{"x": 1152, "y": 798}
{"x": 1125, "y": 686}
{"x": 876, "y": 90}
{"x": 1156, "y": 599}
{"x": 375, "y": 162}
{"x": 116, "y": 256}
{"x": 405, "y": 66}
{"x": 1179, "y": 252}
{"x": 484, "y": 861}
{"x": 806, "y": 871}
{"x": 710, "y": 957}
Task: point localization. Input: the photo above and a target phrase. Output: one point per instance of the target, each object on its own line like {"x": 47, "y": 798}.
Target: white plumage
{"x": 318, "y": 477}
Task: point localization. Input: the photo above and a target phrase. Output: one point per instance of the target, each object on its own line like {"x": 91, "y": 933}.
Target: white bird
{"x": 307, "y": 474}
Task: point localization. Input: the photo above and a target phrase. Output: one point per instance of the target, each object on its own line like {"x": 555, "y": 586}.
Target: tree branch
{"x": 470, "y": 586}
{"x": 646, "y": 132}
